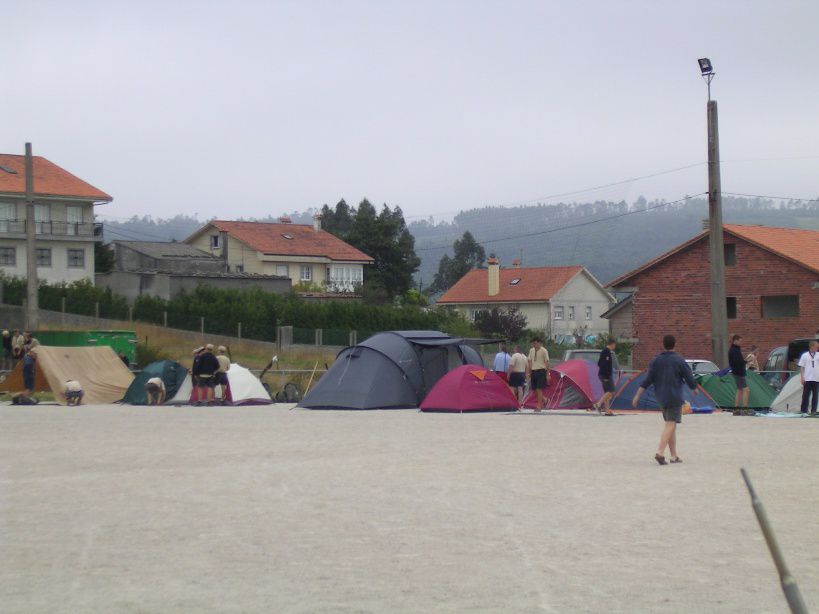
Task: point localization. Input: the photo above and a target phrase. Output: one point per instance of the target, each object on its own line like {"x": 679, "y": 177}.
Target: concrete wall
{"x": 128, "y": 259}
{"x": 621, "y": 323}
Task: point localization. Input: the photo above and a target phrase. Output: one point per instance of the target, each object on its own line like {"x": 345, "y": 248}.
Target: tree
{"x": 508, "y": 324}
{"x": 468, "y": 254}
{"x": 103, "y": 258}
{"x": 338, "y": 221}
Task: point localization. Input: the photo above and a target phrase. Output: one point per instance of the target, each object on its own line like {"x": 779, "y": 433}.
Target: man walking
{"x": 501, "y": 363}
{"x": 809, "y": 375}
{"x": 538, "y": 369}
{"x": 737, "y": 363}
{"x": 605, "y": 371}
{"x": 517, "y": 374}
{"x": 668, "y": 372}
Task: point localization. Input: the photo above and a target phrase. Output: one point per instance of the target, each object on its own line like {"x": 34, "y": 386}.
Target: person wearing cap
{"x": 29, "y": 372}
{"x": 29, "y": 342}
{"x": 206, "y": 368}
{"x": 197, "y": 353}
{"x": 73, "y": 392}
{"x": 221, "y": 373}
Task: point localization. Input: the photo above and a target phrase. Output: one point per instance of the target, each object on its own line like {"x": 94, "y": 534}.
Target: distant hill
{"x": 607, "y": 238}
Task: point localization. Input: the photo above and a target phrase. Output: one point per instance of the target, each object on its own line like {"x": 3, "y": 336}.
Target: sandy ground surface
{"x": 126, "y": 509}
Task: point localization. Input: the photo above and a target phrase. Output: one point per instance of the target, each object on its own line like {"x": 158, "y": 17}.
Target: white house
{"x": 64, "y": 221}
{"x": 563, "y": 301}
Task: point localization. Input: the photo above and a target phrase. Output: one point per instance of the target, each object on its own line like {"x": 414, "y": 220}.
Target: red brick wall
{"x": 674, "y": 297}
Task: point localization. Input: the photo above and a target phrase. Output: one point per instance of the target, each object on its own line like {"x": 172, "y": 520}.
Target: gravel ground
{"x": 263, "y": 509}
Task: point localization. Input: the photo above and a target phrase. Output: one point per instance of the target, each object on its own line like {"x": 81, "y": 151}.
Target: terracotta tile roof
{"x": 536, "y": 284}
{"x": 270, "y": 238}
{"x": 49, "y": 179}
{"x": 795, "y": 244}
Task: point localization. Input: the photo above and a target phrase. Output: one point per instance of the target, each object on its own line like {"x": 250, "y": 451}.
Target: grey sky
{"x": 253, "y": 108}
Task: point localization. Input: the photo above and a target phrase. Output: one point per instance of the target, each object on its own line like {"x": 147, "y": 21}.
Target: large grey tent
{"x": 389, "y": 370}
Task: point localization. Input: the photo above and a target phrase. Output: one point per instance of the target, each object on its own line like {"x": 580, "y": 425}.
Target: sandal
{"x": 676, "y": 459}
{"x": 660, "y": 459}
{"x": 609, "y": 413}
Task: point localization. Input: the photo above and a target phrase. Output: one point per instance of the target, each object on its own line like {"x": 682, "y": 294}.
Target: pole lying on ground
{"x": 789, "y": 586}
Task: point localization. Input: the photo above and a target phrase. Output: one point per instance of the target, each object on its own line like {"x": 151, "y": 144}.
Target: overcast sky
{"x": 243, "y": 108}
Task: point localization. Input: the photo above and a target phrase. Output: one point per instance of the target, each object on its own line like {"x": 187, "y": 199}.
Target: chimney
{"x": 494, "y": 276}
{"x": 285, "y": 219}
{"x": 516, "y": 263}
{"x": 317, "y": 222}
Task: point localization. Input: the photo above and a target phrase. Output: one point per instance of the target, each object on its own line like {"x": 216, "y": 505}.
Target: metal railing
{"x": 61, "y": 229}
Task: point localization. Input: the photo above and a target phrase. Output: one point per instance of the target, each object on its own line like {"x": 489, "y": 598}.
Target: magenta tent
{"x": 574, "y": 385}
{"x": 470, "y": 388}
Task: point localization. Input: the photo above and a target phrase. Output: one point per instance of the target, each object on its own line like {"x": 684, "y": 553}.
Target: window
{"x": 281, "y": 270}
{"x": 571, "y": 312}
{"x": 515, "y": 281}
{"x": 588, "y": 312}
{"x": 43, "y": 256}
{"x": 42, "y": 219}
{"x": 76, "y": 258}
{"x": 8, "y": 169}
{"x": 215, "y": 243}
{"x": 73, "y": 219}
{"x": 731, "y": 307}
{"x": 240, "y": 268}
{"x": 780, "y": 306}
{"x": 558, "y": 313}
{"x": 288, "y": 237}
{"x": 730, "y": 251}
{"x": 7, "y": 214}
{"x": 8, "y": 256}
{"x": 306, "y": 272}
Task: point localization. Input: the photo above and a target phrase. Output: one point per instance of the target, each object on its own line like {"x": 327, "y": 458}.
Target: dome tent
{"x": 470, "y": 388}
{"x": 572, "y": 385}
{"x": 700, "y": 400}
{"x": 390, "y": 370}
{"x": 171, "y": 373}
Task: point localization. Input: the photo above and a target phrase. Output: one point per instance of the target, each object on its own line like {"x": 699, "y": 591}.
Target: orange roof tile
{"x": 795, "y": 244}
{"x": 49, "y": 179}
{"x": 270, "y": 238}
{"x": 536, "y": 284}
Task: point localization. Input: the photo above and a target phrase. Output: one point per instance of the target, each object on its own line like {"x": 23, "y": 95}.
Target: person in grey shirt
{"x": 668, "y": 372}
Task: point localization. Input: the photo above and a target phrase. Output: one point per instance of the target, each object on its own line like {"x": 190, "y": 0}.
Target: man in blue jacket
{"x": 668, "y": 372}
{"x": 737, "y": 363}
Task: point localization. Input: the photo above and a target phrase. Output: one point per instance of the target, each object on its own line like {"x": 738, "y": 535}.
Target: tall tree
{"x": 338, "y": 221}
{"x": 468, "y": 254}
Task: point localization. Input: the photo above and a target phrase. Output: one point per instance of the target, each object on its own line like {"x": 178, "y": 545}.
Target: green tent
{"x": 723, "y": 390}
{"x": 171, "y": 372}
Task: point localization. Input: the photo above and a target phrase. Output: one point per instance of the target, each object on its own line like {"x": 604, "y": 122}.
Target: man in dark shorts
{"x": 668, "y": 372}
{"x": 206, "y": 368}
{"x": 737, "y": 363}
{"x": 605, "y": 371}
{"x": 517, "y": 374}
{"x": 538, "y": 370}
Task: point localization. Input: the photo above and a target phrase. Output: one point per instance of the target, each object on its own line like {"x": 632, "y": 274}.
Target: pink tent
{"x": 470, "y": 388}
{"x": 574, "y": 385}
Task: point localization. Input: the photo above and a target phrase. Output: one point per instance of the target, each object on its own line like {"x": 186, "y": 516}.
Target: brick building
{"x": 771, "y": 283}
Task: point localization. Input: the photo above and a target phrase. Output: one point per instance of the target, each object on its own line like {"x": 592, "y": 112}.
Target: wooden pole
{"x": 32, "y": 305}
{"x": 719, "y": 309}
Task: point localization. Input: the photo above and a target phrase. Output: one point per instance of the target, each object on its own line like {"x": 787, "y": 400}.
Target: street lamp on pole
{"x": 719, "y": 310}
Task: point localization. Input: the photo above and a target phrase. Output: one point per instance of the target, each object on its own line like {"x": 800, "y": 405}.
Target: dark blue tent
{"x": 171, "y": 372}
{"x": 699, "y": 399}
{"x": 389, "y": 370}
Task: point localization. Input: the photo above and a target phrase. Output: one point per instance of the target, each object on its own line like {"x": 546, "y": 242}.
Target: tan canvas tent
{"x": 103, "y": 376}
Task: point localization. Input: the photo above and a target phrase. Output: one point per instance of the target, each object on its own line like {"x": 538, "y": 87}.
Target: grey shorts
{"x": 740, "y": 381}
{"x": 608, "y": 384}
{"x": 673, "y": 414}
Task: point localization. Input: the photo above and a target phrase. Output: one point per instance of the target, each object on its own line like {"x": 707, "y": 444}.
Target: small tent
{"x": 244, "y": 388}
{"x": 389, "y": 370}
{"x": 699, "y": 399}
{"x": 789, "y": 399}
{"x": 573, "y": 385}
{"x": 171, "y": 373}
{"x": 470, "y": 388}
{"x": 103, "y": 377}
{"x": 723, "y": 390}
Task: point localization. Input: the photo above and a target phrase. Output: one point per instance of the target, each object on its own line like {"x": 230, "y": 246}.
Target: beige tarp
{"x": 102, "y": 375}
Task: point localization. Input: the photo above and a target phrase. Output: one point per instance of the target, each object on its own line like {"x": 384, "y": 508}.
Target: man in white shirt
{"x": 501, "y": 363}
{"x": 73, "y": 392}
{"x": 538, "y": 370}
{"x": 809, "y": 376}
{"x": 155, "y": 391}
{"x": 517, "y": 374}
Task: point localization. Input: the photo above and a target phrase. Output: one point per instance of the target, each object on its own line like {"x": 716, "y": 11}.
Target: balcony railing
{"x": 58, "y": 229}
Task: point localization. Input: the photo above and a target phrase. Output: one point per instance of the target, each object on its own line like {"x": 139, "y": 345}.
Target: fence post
{"x": 353, "y": 337}
{"x": 239, "y": 330}
{"x": 279, "y": 338}
{"x": 97, "y": 311}
{"x": 165, "y": 319}
{"x": 62, "y": 310}
{"x": 130, "y": 314}
{"x": 202, "y": 325}
{"x": 318, "y": 336}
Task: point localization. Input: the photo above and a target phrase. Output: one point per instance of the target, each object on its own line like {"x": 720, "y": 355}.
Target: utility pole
{"x": 719, "y": 309}
{"x": 32, "y": 305}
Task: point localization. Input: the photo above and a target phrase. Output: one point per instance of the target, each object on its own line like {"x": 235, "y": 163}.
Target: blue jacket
{"x": 668, "y": 372}
{"x": 736, "y": 361}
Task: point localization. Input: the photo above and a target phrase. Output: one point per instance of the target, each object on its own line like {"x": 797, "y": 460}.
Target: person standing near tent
{"x": 73, "y": 392}
{"x": 29, "y": 372}
{"x": 751, "y": 360}
{"x": 501, "y": 363}
{"x": 221, "y": 373}
{"x": 197, "y": 355}
{"x": 7, "y": 364}
{"x": 667, "y": 372}
{"x": 207, "y": 366}
{"x": 736, "y": 361}
{"x": 538, "y": 369}
{"x": 17, "y": 342}
{"x": 809, "y": 376}
{"x": 155, "y": 391}
{"x": 517, "y": 375}
{"x": 605, "y": 372}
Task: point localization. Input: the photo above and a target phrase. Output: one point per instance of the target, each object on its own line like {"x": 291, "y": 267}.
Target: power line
{"x": 807, "y": 200}
{"x": 570, "y": 226}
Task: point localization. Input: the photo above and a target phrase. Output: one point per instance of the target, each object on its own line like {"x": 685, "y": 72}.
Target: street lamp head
{"x": 705, "y": 66}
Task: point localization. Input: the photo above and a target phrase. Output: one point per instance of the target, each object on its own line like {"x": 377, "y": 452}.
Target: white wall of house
{"x": 537, "y": 314}
{"x": 61, "y": 261}
{"x": 577, "y": 306}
